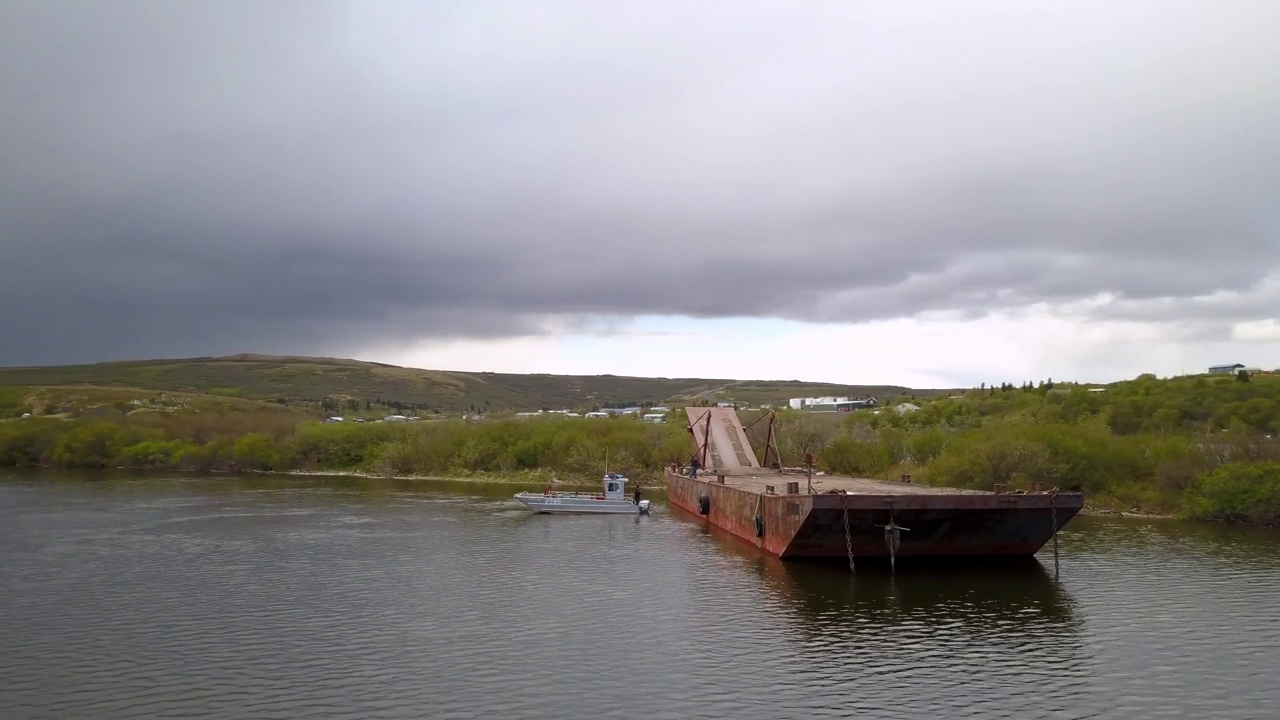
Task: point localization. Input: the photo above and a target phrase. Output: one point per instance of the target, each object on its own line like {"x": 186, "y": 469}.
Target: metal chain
{"x": 848, "y": 540}
{"x": 1053, "y": 512}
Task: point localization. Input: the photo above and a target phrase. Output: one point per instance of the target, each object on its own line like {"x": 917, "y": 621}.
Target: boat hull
{"x": 584, "y": 506}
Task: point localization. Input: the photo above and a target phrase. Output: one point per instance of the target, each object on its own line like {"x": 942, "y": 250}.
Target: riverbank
{"x": 538, "y": 478}
{"x": 532, "y": 479}
{"x": 1112, "y": 512}
{"x": 542, "y": 478}
{"x": 1228, "y": 476}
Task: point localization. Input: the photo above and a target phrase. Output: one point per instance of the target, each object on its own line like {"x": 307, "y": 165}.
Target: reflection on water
{"x": 972, "y": 593}
{"x": 351, "y": 598}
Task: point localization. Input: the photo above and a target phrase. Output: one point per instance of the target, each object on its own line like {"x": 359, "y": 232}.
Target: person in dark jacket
{"x": 635, "y": 495}
{"x": 693, "y": 466}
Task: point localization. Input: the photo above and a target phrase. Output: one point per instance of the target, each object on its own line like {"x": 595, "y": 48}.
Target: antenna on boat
{"x": 606, "y": 459}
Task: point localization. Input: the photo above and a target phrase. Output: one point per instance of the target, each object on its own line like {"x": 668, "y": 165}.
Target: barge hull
{"x": 942, "y": 524}
{"x": 741, "y": 496}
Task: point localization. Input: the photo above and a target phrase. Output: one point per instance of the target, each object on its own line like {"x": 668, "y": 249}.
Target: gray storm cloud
{"x": 180, "y": 178}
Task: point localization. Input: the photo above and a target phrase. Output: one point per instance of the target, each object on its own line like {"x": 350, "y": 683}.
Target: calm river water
{"x": 327, "y": 598}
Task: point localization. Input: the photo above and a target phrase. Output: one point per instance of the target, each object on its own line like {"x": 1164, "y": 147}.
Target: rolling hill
{"x": 308, "y": 380}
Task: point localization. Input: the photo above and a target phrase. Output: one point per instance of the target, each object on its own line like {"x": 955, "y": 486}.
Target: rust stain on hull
{"x": 940, "y": 525}
{"x": 739, "y": 496}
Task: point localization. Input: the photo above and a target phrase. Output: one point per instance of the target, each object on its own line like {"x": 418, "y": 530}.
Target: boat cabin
{"x": 615, "y": 487}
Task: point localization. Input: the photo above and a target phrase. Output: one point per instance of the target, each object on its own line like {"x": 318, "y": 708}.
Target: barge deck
{"x": 797, "y": 515}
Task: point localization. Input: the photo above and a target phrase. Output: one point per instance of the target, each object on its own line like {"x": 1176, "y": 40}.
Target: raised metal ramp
{"x": 728, "y": 447}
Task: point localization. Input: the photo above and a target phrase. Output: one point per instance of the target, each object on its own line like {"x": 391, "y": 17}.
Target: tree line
{"x": 574, "y": 448}
{"x": 1203, "y": 446}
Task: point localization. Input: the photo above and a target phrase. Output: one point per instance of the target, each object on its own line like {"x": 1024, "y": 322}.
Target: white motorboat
{"x": 613, "y": 500}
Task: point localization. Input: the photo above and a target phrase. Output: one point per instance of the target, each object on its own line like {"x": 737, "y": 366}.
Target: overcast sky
{"x": 928, "y": 193}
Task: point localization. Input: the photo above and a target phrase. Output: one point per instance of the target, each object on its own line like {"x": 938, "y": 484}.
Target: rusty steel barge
{"x": 796, "y": 514}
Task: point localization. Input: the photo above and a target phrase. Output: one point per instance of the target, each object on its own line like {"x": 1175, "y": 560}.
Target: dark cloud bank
{"x": 183, "y": 178}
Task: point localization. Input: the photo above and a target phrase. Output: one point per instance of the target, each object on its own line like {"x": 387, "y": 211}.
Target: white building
{"x": 801, "y": 403}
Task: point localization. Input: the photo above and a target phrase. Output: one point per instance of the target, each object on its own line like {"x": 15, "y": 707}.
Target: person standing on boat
{"x": 693, "y": 466}
{"x": 635, "y": 495}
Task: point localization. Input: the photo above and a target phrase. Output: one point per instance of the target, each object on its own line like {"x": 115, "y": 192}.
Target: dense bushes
{"x": 963, "y": 447}
{"x": 573, "y": 447}
{"x": 28, "y": 442}
{"x": 1138, "y": 443}
{"x": 1238, "y": 492}
{"x": 157, "y": 453}
{"x": 1199, "y": 444}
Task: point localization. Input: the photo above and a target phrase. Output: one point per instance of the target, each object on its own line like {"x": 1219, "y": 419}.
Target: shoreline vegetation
{"x": 1199, "y": 447}
{"x": 541, "y": 478}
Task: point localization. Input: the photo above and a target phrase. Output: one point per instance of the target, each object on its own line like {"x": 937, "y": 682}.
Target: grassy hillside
{"x": 301, "y": 381}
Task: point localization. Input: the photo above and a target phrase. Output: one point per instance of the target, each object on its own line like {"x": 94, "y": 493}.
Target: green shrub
{"x": 255, "y": 451}
{"x": 156, "y": 453}
{"x": 29, "y": 442}
{"x": 92, "y": 445}
{"x": 1239, "y": 492}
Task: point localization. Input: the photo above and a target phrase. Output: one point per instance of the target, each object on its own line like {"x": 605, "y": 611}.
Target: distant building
{"x": 333, "y": 419}
{"x": 597, "y": 415}
{"x": 655, "y": 418}
{"x": 832, "y": 404}
{"x": 801, "y": 403}
{"x": 906, "y": 407}
{"x": 1226, "y": 369}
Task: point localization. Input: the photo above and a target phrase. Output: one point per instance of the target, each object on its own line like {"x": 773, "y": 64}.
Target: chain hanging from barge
{"x": 1053, "y": 513}
{"x": 848, "y": 540}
